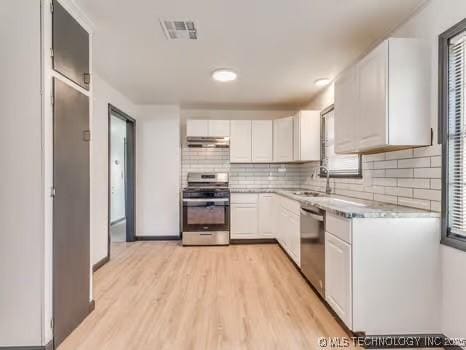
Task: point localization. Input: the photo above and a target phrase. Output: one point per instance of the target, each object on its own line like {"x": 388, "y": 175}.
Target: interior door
{"x": 70, "y": 44}
{"x": 71, "y": 246}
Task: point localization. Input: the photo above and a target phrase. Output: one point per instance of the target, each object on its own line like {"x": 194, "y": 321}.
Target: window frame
{"x": 448, "y": 239}
{"x": 322, "y": 172}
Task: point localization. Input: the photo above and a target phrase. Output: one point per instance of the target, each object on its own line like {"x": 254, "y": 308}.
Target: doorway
{"x": 121, "y": 176}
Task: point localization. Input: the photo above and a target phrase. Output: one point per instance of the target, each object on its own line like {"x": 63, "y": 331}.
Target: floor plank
{"x": 160, "y": 295}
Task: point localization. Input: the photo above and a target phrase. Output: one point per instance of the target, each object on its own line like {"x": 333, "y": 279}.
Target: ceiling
{"x": 278, "y": 47}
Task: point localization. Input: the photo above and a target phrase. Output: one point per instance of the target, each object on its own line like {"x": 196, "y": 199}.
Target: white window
{"x": 338, "y": 165}
{"x": 452, "y": 45}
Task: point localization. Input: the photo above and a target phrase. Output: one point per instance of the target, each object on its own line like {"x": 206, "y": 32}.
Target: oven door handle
{"x": 312, "y": 215}
{"x": 197, "y": 200}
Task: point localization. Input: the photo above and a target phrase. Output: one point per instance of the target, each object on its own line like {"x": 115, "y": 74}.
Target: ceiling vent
{"x": 179, "y": 29}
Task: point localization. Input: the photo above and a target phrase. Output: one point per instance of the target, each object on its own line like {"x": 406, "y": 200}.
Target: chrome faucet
{"x": 328, "y": 190}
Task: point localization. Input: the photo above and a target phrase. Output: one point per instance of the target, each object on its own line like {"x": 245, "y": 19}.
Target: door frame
{"x": 130, "y": 172}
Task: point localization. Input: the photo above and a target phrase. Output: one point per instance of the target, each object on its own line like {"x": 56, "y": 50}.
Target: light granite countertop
{"x": 345, "y": 206}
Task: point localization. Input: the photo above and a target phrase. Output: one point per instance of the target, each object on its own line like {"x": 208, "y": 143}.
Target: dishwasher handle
{"x": 312, "y": 215}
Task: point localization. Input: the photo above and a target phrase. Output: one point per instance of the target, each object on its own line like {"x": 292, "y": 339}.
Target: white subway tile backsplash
{"x": 406, "y": 153}
{"x": 434, "y": 195}
{"x": 399, "y": 172}
{"x": 386, "y": 164}
{"x": 385, "y": 198}
{"x": 410, "y": 177}
{"x": 427, "y": 173}
{"x": 414, "y": 183}
{"x": 415, "y": 203}
{"x": 414, "y": 163}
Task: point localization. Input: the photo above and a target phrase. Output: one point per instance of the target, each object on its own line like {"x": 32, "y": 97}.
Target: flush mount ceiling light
{"x": 322, "y": 82}
{"x": 224, "y": 75}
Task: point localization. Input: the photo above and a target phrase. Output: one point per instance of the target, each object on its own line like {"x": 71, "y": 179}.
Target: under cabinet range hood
{"x": 206, "y": 142}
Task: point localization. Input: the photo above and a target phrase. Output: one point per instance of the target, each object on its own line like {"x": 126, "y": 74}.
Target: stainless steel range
{"x": 206, "y": 210}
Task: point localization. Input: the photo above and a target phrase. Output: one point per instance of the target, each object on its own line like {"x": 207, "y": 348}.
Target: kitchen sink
{"x": 343, "y": 201}
{"x": 308, "y": 193}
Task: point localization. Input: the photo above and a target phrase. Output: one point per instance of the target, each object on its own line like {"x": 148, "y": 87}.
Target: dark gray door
{"x": 71, "y": 247}
{"x": 70, "y": 47}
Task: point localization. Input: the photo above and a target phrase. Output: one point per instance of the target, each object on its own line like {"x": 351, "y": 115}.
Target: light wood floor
{"x": 159, "y": 295}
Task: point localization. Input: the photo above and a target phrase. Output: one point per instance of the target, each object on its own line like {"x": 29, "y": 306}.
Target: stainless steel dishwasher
{"x": 313, "y": 246}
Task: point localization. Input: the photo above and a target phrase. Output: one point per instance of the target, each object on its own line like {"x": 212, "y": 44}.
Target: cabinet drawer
{"x": 243, "y": 198}
{"x": 290, "y": 205}
{"x": 339, "y": 226}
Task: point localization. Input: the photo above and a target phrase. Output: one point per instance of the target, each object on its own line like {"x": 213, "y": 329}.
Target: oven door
{"x": 206, "y": 214}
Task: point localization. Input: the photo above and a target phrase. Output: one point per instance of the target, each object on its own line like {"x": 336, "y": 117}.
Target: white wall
{"x": 103, "y": 95}
{"x": 158, "y": 171}
{"x": 432, "y": 20}
{"x": 21, "y": 196}
{"x": 323, "y": 99}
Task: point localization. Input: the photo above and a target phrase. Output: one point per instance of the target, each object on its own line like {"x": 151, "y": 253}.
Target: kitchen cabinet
{"x": 262, "y": 141}
{"x": 283, "y": 140}
{"x": 306, "y": 136}
{"x": 266, "y": 215}
{"x": 240, "y": 141}
{"x": 338, "y": 277}
{"x": 346, "y": 111}
{"x": 372, "y": 262}
{"x": 382, "y": 103}
{"x": 219, "y": 128}
{"x": 207, "y": 128}
{"x": 70, "y": 45}
{"x": 373, "y": 79}
{"x": 289, "y": 228}
{"x": 197, "y": 128}
{"x": 243, "y": 220}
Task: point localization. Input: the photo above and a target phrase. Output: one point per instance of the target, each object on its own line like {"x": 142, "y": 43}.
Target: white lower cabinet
{"x": 266, "y": 215}
{"x": 289, "y": 228}
{"x": 243, "y": 220}
{"x": 338, "y": 289}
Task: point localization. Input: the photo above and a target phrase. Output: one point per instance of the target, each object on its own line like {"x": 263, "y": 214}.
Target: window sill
{"x": 453, "y": 242}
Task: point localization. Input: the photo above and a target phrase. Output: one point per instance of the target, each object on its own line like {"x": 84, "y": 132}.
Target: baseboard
{"x": 91, "y": 305}
{"x": 100, "y": 263}
{"x": 253, "y": 241}
{"x": 157, "y": 238}
{"x": 49, "y": 346}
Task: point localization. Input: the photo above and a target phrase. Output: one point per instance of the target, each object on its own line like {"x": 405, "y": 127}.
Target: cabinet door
{"x": 293, "y": 238}
{"x": 283, "y": 140}
{"x": 240, "y": 141}
{"x": 266, "y": 215}
{"x": 219, "y": 128}
{"x": 338, "y": 278}
{"x": 346, "y": 112}
{"x": 306, "y": 136}
{"x": 262, "y": 141}
{"x": 70, "y": 44}
{"x": 373, "y": 114}
{"x": 197, "y": 128}
{"x": 282, "y": 224}
{"x": 243, "y": 220}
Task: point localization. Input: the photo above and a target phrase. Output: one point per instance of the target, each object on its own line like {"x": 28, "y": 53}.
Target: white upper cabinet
{"x": 346, "y": 111}
{"x": 262, "y": 141}
{"x": 373, "y": 78}
{"x": 383, "y": 102}
{"x": 197, "y": 128}
{"x": 240, "y": 141}
{"x": 283, "y": 139}
{"x": 219, "y": 128}
{"x": 207, "y": 128}
{"x": 306, "y": 136}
